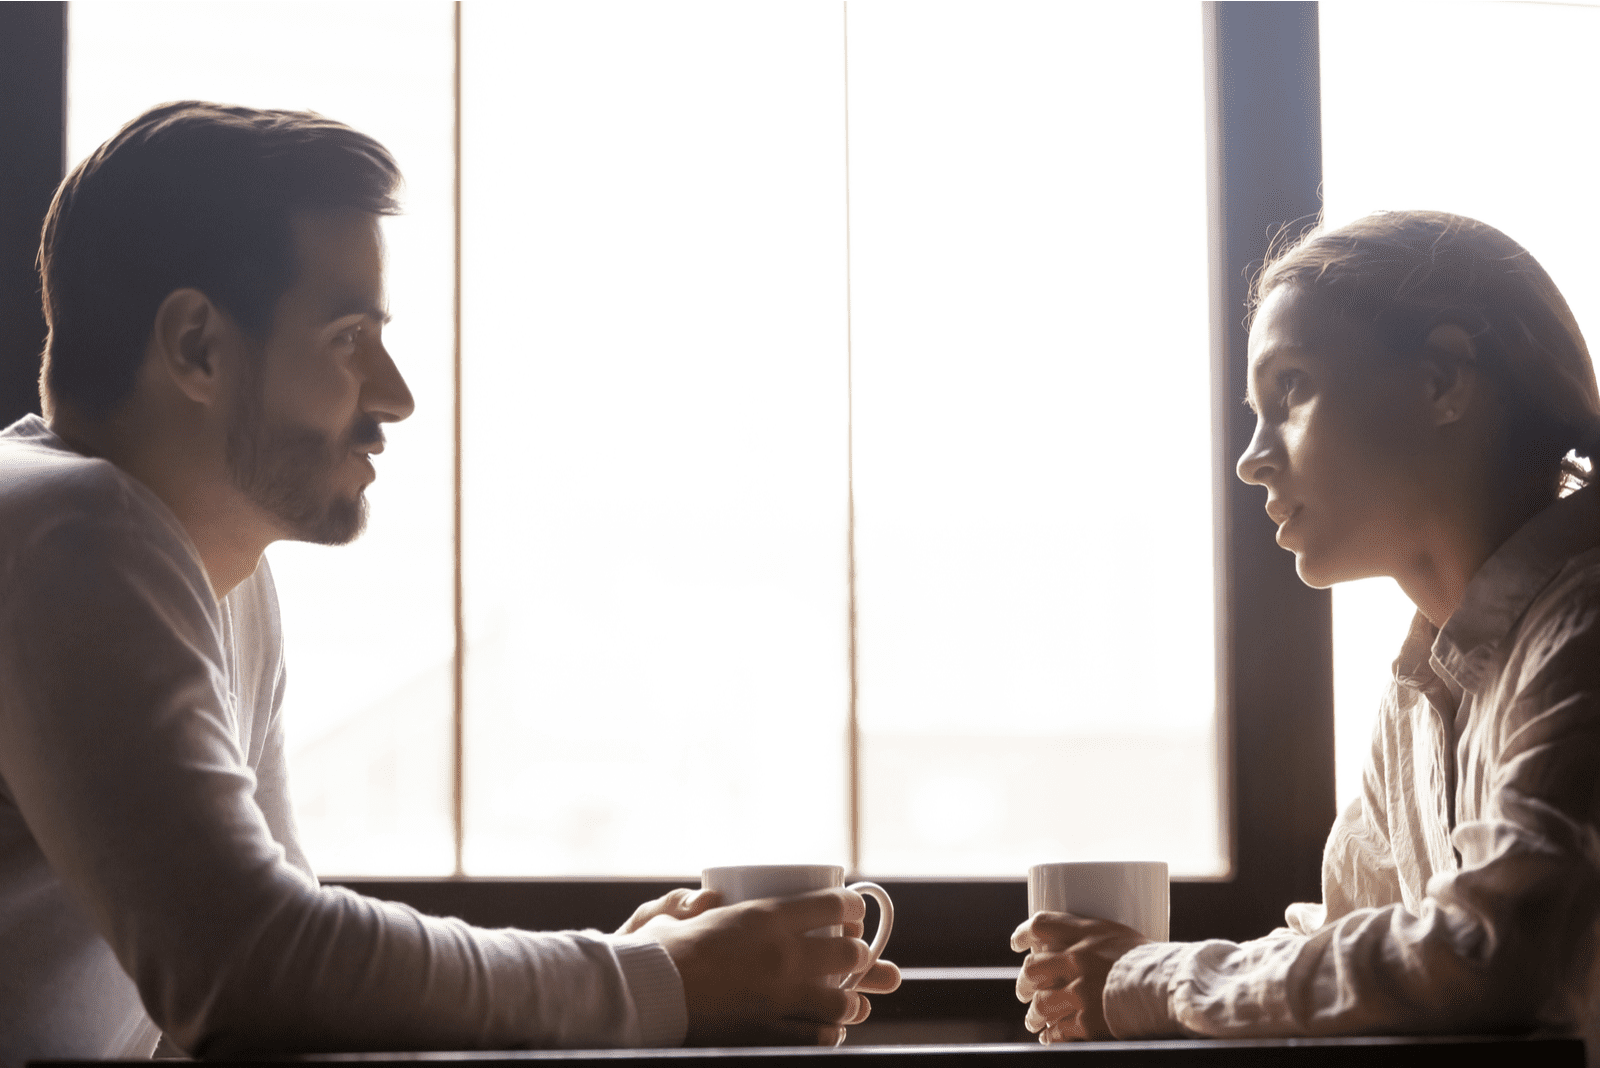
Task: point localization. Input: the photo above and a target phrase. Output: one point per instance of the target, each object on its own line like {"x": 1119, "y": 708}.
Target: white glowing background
{"x": 655, "y": 434}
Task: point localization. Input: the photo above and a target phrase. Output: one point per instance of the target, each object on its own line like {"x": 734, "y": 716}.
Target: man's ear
{"x": 1449, "y": 368}
{"x": 190, "y": 342}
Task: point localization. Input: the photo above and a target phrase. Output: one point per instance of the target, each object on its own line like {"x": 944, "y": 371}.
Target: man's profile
{"x": 215, "y": 380}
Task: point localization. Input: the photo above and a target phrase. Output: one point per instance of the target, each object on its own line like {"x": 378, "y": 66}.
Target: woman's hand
{"x": 679, "y": 904}
{"x": 1064, "y": 976}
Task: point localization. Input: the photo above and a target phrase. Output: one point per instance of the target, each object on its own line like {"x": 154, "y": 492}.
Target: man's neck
{"x": 221, "y": 524}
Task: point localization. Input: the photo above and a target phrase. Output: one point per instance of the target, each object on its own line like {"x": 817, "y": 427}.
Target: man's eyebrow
{"x": 376, "y": 312}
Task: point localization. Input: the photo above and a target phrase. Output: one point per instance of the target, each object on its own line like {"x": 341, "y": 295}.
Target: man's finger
{"x": 787, "y": 1033}
{"x": 694, "y": 902}
{"x": 834, "y": 907}
{"x": 676, "y": 903}
{"x": 833, "y": 956}
{"x": 821, "y": 1004}
{"x": 882, "y": 978}
{"x": 863, "y": 1010}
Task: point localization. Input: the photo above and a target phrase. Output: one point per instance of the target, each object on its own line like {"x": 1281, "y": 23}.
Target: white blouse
{"x": 1461, "y": 891}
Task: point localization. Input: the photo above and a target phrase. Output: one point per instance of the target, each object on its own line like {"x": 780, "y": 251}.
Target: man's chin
{"x": 341, "y": 522}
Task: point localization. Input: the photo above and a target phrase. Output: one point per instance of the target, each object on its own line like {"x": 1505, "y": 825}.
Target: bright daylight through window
{"x": 686, "y": 340}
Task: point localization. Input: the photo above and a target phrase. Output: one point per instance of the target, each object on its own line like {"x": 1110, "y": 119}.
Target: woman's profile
{"x": 1423, "y": 394}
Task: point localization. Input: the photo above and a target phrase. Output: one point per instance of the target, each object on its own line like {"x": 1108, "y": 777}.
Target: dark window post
{"x": 32, "y": 133}
{"x": 1275, "y": 661}
{"x": 33, "y": 40}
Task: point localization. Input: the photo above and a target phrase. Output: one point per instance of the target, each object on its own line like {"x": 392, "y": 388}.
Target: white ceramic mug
{"x": 750, "y": 882}
{"x": 1130, "y": 892}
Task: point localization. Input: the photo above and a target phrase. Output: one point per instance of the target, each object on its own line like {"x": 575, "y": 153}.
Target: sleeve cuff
{"x": 656, "y": 990}
{"x": 1138, "y": 992}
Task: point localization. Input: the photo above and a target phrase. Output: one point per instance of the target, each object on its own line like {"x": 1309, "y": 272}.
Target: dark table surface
{"x": 1454, "y": 1051}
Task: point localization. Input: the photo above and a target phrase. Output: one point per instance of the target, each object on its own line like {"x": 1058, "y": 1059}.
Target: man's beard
{"x": 287, "y": 469}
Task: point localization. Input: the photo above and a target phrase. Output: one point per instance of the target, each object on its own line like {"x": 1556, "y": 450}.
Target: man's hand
{"x": 752, "y": 976}
{"x": 680, "y": 904}
{"x": 1064, "y": 976}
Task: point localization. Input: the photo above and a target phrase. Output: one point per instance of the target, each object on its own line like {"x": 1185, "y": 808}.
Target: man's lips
{"x": 1280, "y": 513}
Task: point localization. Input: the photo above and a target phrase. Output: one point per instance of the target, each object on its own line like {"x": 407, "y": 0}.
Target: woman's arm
{"x": 1504, "y": 940}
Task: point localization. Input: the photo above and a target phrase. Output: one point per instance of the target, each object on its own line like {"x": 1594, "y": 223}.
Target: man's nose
{"x": 386, "y": 397}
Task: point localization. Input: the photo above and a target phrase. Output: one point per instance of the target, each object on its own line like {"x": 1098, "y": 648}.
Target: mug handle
{"x": 881, "y": 938}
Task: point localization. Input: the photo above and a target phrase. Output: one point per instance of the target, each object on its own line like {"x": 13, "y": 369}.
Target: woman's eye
{"x": 1290, "y": 383}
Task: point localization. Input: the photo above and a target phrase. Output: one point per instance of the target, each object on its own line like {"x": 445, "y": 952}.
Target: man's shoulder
{"x": 44, "y": 485}
{"x": 38, "y": 472}
{"x": 63, "y": 514}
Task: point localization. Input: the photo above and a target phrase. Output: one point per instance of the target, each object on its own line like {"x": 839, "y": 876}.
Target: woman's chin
{"x": 1314, "y": 573}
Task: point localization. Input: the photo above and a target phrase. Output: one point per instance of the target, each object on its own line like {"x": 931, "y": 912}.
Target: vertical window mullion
{"x": 458, "y": 664}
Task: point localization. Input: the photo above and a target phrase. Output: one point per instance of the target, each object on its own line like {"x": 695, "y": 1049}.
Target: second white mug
{"x": 1130, "y": 892}
{"x": 751, "y": 882}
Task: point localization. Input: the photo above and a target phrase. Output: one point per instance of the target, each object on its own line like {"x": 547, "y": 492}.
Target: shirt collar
{"x": 1507, "y": 584}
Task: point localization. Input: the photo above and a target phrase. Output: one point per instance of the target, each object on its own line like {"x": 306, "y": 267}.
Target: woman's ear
{"x": 1449, "y": 368}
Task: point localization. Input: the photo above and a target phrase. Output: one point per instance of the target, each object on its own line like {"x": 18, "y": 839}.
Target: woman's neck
{"x": 1458, "y": 545}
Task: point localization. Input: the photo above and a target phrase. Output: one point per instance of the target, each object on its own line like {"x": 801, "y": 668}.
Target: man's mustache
{"x": 363, "y": 432}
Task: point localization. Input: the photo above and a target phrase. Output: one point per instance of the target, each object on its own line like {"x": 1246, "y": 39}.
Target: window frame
{"x": 1274, "y": 635}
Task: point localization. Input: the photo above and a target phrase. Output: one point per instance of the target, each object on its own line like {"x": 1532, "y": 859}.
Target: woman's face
{"x": 1340, "y": 441}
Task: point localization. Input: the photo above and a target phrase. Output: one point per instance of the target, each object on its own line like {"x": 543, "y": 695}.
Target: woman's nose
{"x": 1259, "y": 459}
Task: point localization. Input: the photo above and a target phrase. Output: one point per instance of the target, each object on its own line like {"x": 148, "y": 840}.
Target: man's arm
{"x": 116, "y": 744}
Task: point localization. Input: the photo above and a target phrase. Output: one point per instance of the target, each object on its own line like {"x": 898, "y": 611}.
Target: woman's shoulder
{"x": 1567, "y": 609}
{"x": 1554, "y": 650}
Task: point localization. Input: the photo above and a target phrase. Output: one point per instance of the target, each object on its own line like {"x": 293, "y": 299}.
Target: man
{"x": 216, "y": 380}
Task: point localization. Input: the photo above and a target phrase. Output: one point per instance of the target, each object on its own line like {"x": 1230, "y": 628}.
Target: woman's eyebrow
{"x": 1258, "y": 373}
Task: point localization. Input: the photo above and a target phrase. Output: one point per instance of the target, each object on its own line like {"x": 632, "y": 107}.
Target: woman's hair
{"x": 1402, "y": 273}
{"x": 189, "y": 194}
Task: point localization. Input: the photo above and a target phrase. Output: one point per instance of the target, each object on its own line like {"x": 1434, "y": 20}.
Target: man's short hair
{"x": 187, "y": 195}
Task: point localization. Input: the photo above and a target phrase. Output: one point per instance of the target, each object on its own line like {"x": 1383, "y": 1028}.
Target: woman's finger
{"x": 1045, "y": 970}
{"x": 1049, "y": 930}
{"x": 1067, "y": 1029}
{"x": 1050, "y": 1006}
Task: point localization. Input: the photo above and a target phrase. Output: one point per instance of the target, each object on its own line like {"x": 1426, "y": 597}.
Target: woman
{"x": 1419, "y": 384}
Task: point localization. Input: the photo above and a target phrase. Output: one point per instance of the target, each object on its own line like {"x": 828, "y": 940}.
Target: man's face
{"x": 306, "y": 416}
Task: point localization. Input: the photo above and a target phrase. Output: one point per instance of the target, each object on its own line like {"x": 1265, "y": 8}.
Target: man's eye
{"x": 347, "y": 337}
{"x": 1289, "y": 384}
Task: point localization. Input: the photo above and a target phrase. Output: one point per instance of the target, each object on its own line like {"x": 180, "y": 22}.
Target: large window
{"x": 1508, "y": 140}
{"x": 836, "y": 470}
